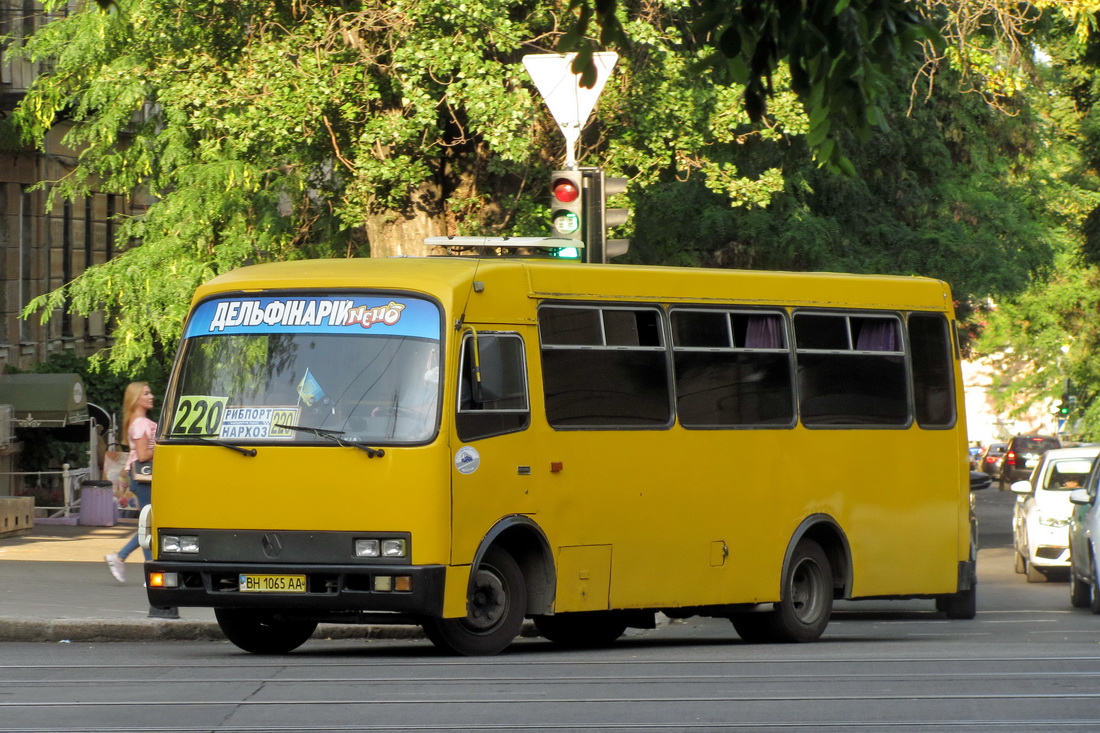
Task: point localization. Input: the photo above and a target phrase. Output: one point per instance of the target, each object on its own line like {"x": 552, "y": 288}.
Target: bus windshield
{"x": 307, "y": 369}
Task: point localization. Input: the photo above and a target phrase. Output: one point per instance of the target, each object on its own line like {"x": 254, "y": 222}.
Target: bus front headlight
{"x": 393, "y": 548}
{"x": 179, "y": 543}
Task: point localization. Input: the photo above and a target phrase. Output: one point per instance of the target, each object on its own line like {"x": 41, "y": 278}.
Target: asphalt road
{"x": 1029, "y": 662}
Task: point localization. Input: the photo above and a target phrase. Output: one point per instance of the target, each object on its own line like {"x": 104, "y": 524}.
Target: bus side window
{"x": 732, "y": 368}
{"x": 851, "y": 369}
{"x": 605, "y": 367}
{"x": 933, "y": 377}
{"x": 497, "y": 403}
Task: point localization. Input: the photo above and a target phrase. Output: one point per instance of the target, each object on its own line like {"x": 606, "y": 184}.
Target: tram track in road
{"x": 900, "y": 726}
{"x": 443, "y": 701}
{"x": 576, "y": 679}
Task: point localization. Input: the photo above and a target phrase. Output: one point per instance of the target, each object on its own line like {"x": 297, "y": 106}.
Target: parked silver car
{"x": 1084, "y": 543}
{"x": 1040, "y": 520}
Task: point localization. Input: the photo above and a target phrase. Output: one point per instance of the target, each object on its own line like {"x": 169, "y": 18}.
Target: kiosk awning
{"x": 44, "y": 400}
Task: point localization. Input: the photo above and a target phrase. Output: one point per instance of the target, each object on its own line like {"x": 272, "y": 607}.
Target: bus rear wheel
{"x": 806, "y": 596}
{"x": 494, "y": 610}
{"x": 961, "y": 605}
{"x": 806, "y": 602}
{"x": 579, "y": 630}
{"x": 263, "y": 632}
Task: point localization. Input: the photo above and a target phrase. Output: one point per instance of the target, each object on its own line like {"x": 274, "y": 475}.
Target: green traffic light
{"x": 566, "y": 222}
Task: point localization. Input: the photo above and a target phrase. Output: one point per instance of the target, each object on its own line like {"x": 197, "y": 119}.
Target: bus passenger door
{"x": 494, "y": 455}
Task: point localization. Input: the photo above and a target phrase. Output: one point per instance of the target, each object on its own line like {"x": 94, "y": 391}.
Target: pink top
{"x": 141, "y": 427}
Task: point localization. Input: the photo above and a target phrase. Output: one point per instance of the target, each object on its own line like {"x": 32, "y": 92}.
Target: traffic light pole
{"x": 593, "y": 215}
{"x": 598, "y": 218}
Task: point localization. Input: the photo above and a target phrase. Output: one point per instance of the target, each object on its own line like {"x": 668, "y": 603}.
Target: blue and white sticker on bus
{"x": 467, "y": 459}
{"x": 396, "y": 316}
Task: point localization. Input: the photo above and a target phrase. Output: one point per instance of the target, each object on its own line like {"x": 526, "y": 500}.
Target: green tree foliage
{"x": 1049, "y": 333}
{"x": 838, "y": 55}
{"x": 945, "y": 191}
{"x": 269, "y": 129}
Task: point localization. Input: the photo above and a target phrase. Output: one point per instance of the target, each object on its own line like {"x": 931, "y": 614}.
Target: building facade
{"x": 45, "y": 242}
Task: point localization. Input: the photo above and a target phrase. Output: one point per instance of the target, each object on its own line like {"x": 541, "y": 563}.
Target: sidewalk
{"x": 55, "y": 586}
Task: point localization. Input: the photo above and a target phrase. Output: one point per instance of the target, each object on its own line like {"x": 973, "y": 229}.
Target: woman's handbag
{"x": 142, "y": 471}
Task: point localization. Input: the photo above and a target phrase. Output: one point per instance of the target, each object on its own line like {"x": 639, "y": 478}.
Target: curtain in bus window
{"x": 933, "y": 373}
{"x": 718, "y": 383}
{"x": 877, "y": 334}
{"x": 764, "y": 332}
{"x": 850, "y": 370}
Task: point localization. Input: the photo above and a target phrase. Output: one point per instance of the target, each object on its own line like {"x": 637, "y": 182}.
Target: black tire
{"x": 1034, "y": 574}
{"x": 754, "y": 627}
{"x": 1080, "y": 593}
{"x": 1094, "y": 585}
{"x": 263, "y": 632}
{"x": 494, "y": 611}
{"x": 961, "y": 605}
{"x": 1021, "y": 564}
{"x": 582, "y": 630}
{"x": 806, "y": 595}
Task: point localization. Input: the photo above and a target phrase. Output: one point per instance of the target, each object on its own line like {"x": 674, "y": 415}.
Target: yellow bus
{"x": 468, "y": 442}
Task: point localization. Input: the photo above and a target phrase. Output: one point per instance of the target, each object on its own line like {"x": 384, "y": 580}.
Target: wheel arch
{"x": 522, "y": 538}
{"x": 826, "y": 532}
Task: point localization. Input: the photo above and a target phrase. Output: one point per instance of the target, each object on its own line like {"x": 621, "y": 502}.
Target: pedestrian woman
{"x": 140, "y": 434}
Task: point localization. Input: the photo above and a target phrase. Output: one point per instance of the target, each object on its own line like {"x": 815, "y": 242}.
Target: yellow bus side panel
{"x": 665, "y": 509}
{"x": 455, "y": 591}
{"x": 584, "y": 577}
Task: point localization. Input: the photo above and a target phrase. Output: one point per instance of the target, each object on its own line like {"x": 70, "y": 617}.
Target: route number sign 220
{"x": 199, "y": 415}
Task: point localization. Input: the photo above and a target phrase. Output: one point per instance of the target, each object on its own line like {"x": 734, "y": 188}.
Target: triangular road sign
{"x": 569, "y": 102}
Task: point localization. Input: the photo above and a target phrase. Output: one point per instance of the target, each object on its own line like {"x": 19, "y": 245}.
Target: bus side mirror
{"x": 979, "y": 480}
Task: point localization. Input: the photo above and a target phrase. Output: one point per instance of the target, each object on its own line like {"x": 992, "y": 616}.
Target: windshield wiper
{"x": 250, "y": 452}
{"x": 332, "y": 435}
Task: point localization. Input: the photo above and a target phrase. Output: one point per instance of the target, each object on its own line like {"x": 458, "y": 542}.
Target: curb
{"x": 65, "y": 631}
{"x": 112, "y": 630}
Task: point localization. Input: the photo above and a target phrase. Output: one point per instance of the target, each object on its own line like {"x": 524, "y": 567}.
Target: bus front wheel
{"x": 263, "y": 632}
{"x": 494, "y": 610}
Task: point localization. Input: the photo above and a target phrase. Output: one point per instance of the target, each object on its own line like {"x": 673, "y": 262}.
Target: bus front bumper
{"x": 312, "y": 588}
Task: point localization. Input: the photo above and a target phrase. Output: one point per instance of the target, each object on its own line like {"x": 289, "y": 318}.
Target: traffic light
{"x": 600, "y": 218}
{"x": 613, "y": 217}
{"x": 567, "y": 218}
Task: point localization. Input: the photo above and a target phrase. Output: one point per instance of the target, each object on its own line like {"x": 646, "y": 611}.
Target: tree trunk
{"x": 397, "y": 233}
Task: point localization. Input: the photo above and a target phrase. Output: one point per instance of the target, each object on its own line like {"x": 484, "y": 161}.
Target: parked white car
{"x": 1084, "y": 543}
{"x": 1040, "y": 520}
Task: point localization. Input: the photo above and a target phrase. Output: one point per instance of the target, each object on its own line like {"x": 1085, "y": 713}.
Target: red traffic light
{"x": 565, "y": 190}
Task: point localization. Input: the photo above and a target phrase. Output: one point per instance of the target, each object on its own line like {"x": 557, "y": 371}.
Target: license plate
{"x": 250, "y": 583}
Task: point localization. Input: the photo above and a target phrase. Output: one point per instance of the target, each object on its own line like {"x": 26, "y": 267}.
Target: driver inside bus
{"x": 416, "y": 400}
